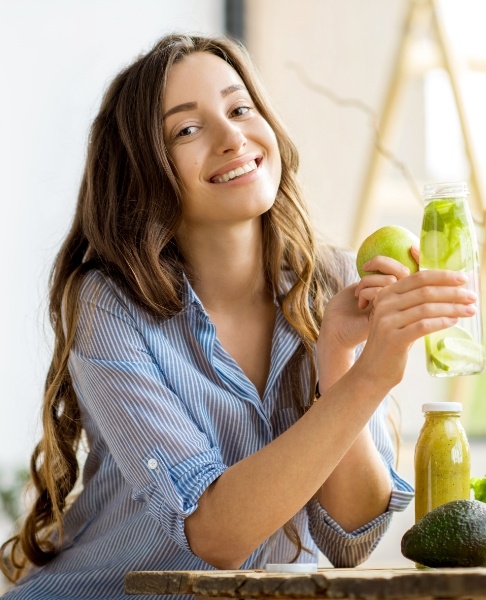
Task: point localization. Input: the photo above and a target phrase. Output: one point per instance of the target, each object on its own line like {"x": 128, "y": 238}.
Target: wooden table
{"x": 358, "y": 583}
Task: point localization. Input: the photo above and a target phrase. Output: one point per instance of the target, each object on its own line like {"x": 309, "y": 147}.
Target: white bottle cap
{"x": 291, "y": 568}
{"x": 442, "y": 407}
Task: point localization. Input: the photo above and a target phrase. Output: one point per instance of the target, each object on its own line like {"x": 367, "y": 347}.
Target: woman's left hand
{"x": 348, "y": 314}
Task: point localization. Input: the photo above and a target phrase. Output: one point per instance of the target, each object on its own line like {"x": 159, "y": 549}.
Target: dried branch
{"x": 373, "y": 121}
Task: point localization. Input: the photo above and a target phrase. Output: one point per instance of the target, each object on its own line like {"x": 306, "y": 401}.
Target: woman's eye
{"x": 189, "y": 130}
{"x": 240, "y": 111}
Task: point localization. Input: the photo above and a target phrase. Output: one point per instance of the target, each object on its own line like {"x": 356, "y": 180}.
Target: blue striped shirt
{"x": 166, "y": 410}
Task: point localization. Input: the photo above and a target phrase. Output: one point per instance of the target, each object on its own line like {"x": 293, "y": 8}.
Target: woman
{"x": 194, "y": 316}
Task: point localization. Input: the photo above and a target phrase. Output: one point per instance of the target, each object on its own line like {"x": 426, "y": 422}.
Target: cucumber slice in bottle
{"x": 439, "y": 363}
{"x": 434, "y": 244}
{"x": 453, "y": 348}
{"x": 458, "y": 366}
{"x": 455, "y": 260}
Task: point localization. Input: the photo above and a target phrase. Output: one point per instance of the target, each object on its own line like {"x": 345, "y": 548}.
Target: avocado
{"x": 451, "y": 535}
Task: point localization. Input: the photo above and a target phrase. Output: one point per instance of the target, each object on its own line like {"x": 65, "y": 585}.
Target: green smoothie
{"x": 442, "y": 459}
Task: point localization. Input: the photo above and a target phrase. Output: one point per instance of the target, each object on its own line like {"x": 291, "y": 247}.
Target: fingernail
{"x": 461, "y": 278}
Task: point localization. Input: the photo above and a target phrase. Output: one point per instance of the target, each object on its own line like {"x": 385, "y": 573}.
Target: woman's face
{"x": 225, "y": 154}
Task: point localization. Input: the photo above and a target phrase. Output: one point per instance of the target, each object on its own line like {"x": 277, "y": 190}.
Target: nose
{"x": 229, "y": 137}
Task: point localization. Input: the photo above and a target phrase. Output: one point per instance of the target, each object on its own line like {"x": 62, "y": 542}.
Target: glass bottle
{"x": 448, "y": 241}
{"x": 442, "y": 458}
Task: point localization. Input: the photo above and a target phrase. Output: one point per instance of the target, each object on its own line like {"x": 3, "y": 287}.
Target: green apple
{"x": 393, "y": 241}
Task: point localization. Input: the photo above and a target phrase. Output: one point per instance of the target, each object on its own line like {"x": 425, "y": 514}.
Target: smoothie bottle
{"x": 442, "y": 458}
{"x": 448, "y": 241}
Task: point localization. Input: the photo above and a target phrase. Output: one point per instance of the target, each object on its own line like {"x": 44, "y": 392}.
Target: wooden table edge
{"x": 369, "y": 584}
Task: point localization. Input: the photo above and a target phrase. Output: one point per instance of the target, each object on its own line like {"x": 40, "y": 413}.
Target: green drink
{"x": 442, "y": 458}
{"x": 448, "y": 241}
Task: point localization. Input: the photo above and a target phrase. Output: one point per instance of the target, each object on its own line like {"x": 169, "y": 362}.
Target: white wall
{"x": 348, "y": 49}
{"x": 56, "y": 57}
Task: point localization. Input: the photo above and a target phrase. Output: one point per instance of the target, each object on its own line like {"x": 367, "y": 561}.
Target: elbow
{"x": 223, "y": 564}
{"x": 220, "y": 555}
{"x": 221, "y": 558}
{"x": 219, "y": 542}
{"x": 347, "y": 562}
{"x": 220, "y": 551}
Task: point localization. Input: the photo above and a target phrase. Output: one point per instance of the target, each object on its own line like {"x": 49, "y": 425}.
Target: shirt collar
{"x": 190, "y": 297}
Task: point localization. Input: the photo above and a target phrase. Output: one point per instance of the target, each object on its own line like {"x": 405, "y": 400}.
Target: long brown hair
{"x": 127, "y": 214}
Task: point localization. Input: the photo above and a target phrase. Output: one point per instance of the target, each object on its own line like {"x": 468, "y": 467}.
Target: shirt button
{"x": 152, "y": 463}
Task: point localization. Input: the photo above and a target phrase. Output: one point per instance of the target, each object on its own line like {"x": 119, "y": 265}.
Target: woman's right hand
{"x": 390, "y": 270}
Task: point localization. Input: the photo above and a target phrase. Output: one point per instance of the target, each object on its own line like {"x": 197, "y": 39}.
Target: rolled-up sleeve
{"x": 348, "y": 549}
{"x": 176, "y": 491}
{"x": 165, "y": 457}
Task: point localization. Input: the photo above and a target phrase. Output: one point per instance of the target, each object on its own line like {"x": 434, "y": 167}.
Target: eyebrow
{"x": 180, "y": 108}
{"x": 193, "y": 105}
{"x": 232, "y": 88}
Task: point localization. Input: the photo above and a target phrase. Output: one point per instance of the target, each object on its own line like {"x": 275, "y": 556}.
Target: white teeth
{"x": 246, "y": 168}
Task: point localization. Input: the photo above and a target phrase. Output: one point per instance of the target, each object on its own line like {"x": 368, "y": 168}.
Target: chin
{"x": 262, "y": 207}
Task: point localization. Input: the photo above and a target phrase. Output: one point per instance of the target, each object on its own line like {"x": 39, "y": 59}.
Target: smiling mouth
{"x": 235, "y": 173}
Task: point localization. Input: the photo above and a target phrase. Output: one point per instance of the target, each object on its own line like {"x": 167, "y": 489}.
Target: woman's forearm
{"x": 259, "y": 494}
{"x": 359, "y": 488}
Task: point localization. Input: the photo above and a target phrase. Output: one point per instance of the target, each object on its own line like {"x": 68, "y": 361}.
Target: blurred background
{"x": 380, "y": 96}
